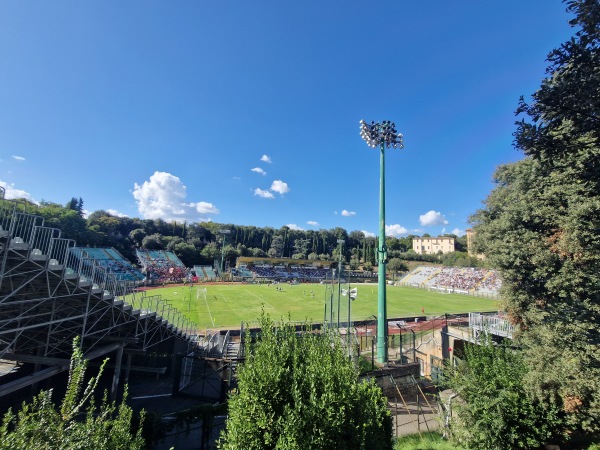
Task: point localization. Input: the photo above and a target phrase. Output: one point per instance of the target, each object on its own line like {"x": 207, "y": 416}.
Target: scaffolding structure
{"x": 48, "y": 297}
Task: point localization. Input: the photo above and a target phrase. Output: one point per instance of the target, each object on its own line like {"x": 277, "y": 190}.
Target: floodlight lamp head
{"x": 384, "y": 133}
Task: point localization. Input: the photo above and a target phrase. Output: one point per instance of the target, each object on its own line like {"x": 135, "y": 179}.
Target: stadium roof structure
{"x": 285, "y": 261}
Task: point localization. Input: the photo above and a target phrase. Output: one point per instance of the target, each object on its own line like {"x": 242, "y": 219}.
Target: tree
{"x": 300, "y": 391}
{"x": 494, "y": 411}
{"x": 79, "y": 207}
{"x": 301, "y": 247}
{"x": 276, "y": 250}
{"x": 153, "y": 242}
{"x": 210, "y": 252}
{"x": 539, "y": 228}
{"x": 72, "y": 204}
{"x": 137, "y": 236}
{"x": 41, "y": 425}
{"x": 187, "y": 253}
{"x": 258, "y": 253}
{"x": 71, "y": 224}
{"x": 396, "y": 265}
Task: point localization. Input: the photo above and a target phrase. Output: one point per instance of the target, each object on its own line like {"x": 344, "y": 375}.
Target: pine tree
{"x": 79, "y": 207}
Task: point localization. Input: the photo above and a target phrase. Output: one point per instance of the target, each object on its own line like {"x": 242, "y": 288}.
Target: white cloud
{"x": 312, "y": 223}
{"x": 259, "y": 170}
{"x": 280, "y": 186}
{"x": 205, "y": 208}
{"x": 293, "y": 226}
{"x": 163, "y": 195}
{"x": 347, "y": 213}
{"x": 368, "y": 234}
{"x": 265, "y": 158}
{"x": 18, "y": 158}
{"x": 12, "y": 193}
{"x": 458, "y": 232}
{"x": 114, "y": 212}
{"x": 432, "y": 218}
{"x": 395, "y": 230}
{"x": 263, "y": 194}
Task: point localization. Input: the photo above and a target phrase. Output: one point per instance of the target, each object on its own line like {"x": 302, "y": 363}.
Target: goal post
{"x": 201, "y": 292}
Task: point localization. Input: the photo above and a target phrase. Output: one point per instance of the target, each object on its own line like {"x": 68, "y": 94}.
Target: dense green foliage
{"x": 494, "y": 412}
{"x": 300, "y": 391}
{"x": 540, "y": 228}
{"x": 41, "y": 425}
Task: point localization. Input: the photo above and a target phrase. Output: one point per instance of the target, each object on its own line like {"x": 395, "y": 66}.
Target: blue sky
{"x": 248, "y": 112}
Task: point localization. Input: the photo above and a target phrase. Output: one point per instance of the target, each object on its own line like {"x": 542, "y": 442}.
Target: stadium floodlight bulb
{"x": 376, "y": 134}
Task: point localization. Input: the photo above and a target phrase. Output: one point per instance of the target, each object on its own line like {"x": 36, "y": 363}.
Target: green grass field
{"x": 227, "y": 305}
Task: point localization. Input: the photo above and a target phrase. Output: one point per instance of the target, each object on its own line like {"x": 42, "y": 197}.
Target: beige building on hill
{"x": 433, "y": 245}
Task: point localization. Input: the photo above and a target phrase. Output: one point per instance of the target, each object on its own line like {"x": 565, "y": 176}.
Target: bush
{"x": 301, "y": 391}
{"x": 40, "y": 425}
{"x": 494, "y": 411}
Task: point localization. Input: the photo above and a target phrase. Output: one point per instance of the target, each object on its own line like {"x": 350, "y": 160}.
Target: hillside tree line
{"x": 201, "y": 243}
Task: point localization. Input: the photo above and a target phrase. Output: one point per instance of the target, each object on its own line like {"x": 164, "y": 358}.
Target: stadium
{"x": 53, "y": 291}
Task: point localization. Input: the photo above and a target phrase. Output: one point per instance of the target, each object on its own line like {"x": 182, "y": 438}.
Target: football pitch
{"x": 227, "y": 305}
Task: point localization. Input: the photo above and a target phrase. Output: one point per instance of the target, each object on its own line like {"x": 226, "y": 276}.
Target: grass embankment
{"x": 425, "y": 441}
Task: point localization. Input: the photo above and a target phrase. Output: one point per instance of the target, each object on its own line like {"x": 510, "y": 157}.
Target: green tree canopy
{"x": 540, "y": 227}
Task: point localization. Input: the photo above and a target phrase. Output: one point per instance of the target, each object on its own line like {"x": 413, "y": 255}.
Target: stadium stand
{"x": 161, "y": 266}
{"x": 462, "y": 280}
{"x": 242, "y": 272}
{"x": 107, "y": 258}
{"x": 210, "y": 273}
{"x": 420, "y": 275}
{"x": 205, "y": 273}
{"x": 268, "y": 272}
{"x": 174, "y": 259}
{"x": 47, "y": 299}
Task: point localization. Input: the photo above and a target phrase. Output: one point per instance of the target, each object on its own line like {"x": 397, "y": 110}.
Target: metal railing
{"x": 492, "y": 324}
{"x": 47, "y": 241}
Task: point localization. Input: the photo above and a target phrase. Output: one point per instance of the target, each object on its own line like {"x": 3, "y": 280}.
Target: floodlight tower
{"x": 224, "y": 232}
{"x": 381, "y": 135}
{"x": 341, "y": 242}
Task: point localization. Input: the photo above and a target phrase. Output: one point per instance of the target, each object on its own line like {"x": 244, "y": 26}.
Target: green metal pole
{"x": 382, "y": 331}
{"x": 339, "y": 286}
{"x": 349, "y": 318}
